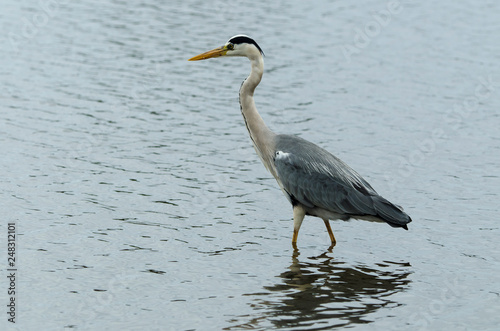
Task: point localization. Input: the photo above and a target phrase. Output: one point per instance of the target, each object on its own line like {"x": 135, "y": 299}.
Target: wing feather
{"x": 318, "y": 188}
{"x": 316, "y": 178}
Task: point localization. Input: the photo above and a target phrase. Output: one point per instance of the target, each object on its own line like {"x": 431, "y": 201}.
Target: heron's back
{"x": 319, "y": 181}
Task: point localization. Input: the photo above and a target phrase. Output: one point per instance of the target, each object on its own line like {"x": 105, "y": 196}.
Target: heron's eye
{"x": 230, "y": 47}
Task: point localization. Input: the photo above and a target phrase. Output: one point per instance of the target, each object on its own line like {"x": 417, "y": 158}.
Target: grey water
{"x": 140, "y": 204}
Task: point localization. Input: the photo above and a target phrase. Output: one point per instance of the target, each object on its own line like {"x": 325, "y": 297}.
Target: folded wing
{"x": 315, "y": 178}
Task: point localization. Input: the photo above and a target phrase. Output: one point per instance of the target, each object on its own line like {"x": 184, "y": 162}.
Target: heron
{"x": 314, "y": 181}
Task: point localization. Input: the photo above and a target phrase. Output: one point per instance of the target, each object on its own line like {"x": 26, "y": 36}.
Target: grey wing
{"x": 313, "y": 177}
{"x": 318, "y": 183}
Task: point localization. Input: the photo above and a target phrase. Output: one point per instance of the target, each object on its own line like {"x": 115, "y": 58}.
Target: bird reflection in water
{"x": 325, "y": 293}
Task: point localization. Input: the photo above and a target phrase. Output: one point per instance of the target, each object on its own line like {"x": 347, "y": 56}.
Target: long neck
{"x": 262, "y": 137}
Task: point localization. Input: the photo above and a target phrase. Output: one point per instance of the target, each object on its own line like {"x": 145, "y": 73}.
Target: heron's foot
{"x": 330, "y": 233}
{"x": 295, "y": 235}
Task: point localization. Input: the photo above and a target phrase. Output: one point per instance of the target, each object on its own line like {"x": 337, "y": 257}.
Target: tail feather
{"x": 392, "y": 214}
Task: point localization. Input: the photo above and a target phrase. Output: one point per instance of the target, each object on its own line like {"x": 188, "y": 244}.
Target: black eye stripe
{"x": 244, "y": 40}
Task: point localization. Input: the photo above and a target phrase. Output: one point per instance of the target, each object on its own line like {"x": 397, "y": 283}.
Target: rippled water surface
{"x": 139, "y": 201}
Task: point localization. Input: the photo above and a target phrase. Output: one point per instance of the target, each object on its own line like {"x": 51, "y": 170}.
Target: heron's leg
{"x": 329, "y": 229}
{"x": 298, "y": 217}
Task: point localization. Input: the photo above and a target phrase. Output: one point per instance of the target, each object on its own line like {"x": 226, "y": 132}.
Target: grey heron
{"x": 314, "y": 181}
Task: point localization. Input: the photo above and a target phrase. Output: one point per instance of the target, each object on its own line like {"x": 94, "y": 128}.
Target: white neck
{"x": 262, "y": 137}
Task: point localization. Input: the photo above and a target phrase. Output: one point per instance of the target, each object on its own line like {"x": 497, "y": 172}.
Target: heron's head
{"x": 239, "y": 45}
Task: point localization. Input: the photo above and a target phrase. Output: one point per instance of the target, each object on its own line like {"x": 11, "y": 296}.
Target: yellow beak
{"x": 221, "y": 51}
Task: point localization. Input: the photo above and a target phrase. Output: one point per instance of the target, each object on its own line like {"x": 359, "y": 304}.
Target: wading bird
{"x": 314, "y": 181}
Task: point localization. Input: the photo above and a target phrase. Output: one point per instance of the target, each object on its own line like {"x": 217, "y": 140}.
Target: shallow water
{"x": 139, "y": 201}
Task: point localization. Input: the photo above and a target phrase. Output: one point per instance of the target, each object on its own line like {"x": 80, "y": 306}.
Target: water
{"x": 140, "y": 204}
